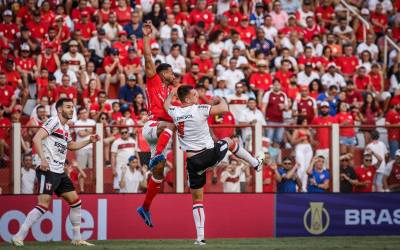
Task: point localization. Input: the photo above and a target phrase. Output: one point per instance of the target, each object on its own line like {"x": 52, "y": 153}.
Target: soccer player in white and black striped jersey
{"x": 52, "y": 141}
{"x": 202, "y": 152}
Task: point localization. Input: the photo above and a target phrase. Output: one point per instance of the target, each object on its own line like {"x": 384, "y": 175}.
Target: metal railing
{"x": 387, "y": 41}
{"x": 366, "y": 24}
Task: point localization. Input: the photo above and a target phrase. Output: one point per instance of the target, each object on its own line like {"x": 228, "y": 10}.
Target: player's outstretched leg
{"x": 240, "y": 152}
{"x": 198, "y": 215}
{"x": 33, "y": 216}
{"x": 153, "y": 187}
{"x": 162, "y": 143}
{"x": 75, "y": 217}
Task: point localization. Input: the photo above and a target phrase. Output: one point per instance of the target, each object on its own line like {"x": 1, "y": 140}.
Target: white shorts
{"x": 149, "y": 133}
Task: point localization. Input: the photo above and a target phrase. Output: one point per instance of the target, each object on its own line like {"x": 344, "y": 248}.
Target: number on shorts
{"x": 181, "y": 129}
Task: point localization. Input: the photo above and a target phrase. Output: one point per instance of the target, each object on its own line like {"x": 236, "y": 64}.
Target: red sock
{"x": 152, "y": 189}
{"x": 163, "y": 140}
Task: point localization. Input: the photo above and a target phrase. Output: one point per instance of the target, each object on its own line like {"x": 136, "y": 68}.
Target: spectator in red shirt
{"x": 62, "y": 29}
{"x": 87, "y": 28}
{"x": 38, "y": 27}
{"x": 369, "y": 114}
{"x": 353, "y": 95}
{"x": 233, "y": 14}
{"x": 4, "y": 132}
{"x": 89, "y": 94}
{"x": 67, "y": 89}
{"x": 7, "y": 96}
{"x": 260, "y": 80}
{"x": 201, "y": 13}
{"x": 284, "y": 75}
{"x": 348, "y": 62}
{"x": 8, "y": 27}
{"x": 77, "y": 13}
{"x": 393, "y": 119}
{"x": 362, "y": 80}
{"x": 198, "y": 46}
{"x": 206, "y": 67}
{"x": 123, "y": 12}
{"x": 101, "y": 106}
{"x": 379, "y": 20}
{"x": 114, "y": 70}
{"x": 191, "y": 78}
{"x": 48, "y": 59}
{"x": 132, "y": 63}
{"x": 305, "y": 105}
{"x": 326, "y": 13}
{"x": 274, "y": 103}
{"x": 50, "y": 91}
{"x": 247, "y": 32}
{"x": 366, "y": 172}
{"x": 347, "y": 134}
{"x": 312, "y": 29}
{"x": 269, "y": 172}
{"x": 25, "y": 65}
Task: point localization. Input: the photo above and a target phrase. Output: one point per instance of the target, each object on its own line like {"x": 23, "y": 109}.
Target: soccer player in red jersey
{"x": 159, "y": 129}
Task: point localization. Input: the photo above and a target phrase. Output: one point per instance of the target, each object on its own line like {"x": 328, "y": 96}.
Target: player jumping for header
{"x": 159, "y": 129}
{"x": 201, "y": 151}
{"x": 52, "y": 141}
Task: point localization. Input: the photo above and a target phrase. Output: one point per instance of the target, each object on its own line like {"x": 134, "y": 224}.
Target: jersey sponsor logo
{"x": 126, "y": 145}
{"x": 316, "y": 218}
{"x": 61, "y": 148}
{"x": 184, "y": 117}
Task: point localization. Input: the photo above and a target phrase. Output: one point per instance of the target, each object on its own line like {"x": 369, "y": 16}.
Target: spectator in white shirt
{"x": 99, "y": 43}
{"x": 271, "y": 33}
{"x": 112, "y": 27}
{"x": 230, "y": 177}
{"x": 84, "y": 156}
{"x": 369, "y": 45}
{"x": 165, "y": 31}
{"x": 344, "y": 31}
{"x": 222, "y": 90}
{"x": 232, "y": 74}
{"x": 242, "y": 61}
{"x": 121, "y": 149}
{"x": 332, "y": 77}
{"x": 304, "y": 78}
{"x": 250, "y": 116}
{"x": 132, "y": 177}
{"x": 64, "y": 70}
{"x": 234, "y": 41}
{"x": 386, "y": 5}
{"x": 380, "y": 149}
{"x": 237, "y": 102}
{"x": 176, "y": 60}
{"x": 293, "y": 44}
{"x": 28, "y": 175}
{"x": 76, "y": 60}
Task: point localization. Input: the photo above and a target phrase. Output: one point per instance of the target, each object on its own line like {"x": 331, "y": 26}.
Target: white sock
{"x": 75, "y": 218}
{"x": 199, "y": 219}
{"x": 244, "y": 155}
{"x": 33, "y": 216}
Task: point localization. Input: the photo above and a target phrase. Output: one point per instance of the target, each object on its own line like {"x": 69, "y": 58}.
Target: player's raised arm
{"x": 220, "y": 106}
{"x": 73, "y": 145}
{"x": 149, "y": 67}
{"x": 168, "y": 101}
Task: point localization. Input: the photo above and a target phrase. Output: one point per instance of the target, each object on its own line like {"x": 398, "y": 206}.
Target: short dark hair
{"x": 61, "y": 102}
{"x": 40, "y": 107}
{"x": 80, "y": 109}
{"x": 162, "y": 67}
{"x": 374, "y": 135}
{"x": 183, "y": 91}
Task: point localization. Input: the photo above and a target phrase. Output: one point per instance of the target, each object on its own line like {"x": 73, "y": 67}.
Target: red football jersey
{"x": 156, "y": 94}
{"x": 366, "y": 175}
{"x": 322, "y": 132}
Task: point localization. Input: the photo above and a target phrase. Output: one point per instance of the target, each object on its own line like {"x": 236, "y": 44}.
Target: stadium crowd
{"x": 281, "y": 63}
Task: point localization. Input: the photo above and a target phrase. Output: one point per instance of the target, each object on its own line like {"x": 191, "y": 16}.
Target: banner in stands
{"x": 114, "y": 217}
{"x": 338, "y": 214}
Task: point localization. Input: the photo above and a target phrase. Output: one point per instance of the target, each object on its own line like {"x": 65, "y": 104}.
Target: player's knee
{"x": 44, "y": 200}
{"x": 158, "y": 172}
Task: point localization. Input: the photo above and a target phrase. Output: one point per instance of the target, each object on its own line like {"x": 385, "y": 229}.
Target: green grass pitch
{"x": 309, "y": 243}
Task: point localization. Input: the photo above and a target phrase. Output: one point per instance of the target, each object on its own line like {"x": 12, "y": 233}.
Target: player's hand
{"x": 147, "y": 29}
{"x": 94, "y": 138}
{"x": 44, "y": 165}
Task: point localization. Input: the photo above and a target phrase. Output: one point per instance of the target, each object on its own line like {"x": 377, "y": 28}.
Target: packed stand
{"x": 281, "y": 63}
